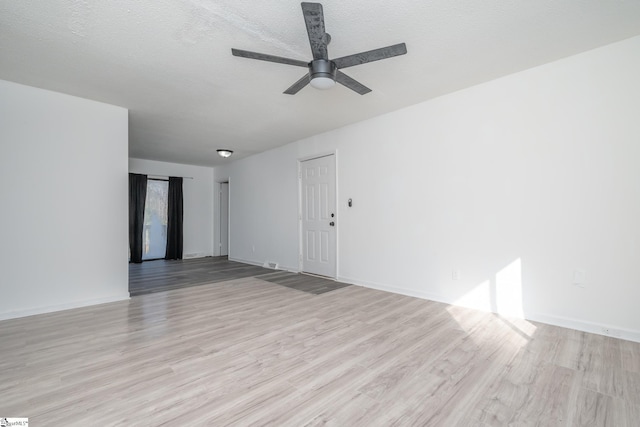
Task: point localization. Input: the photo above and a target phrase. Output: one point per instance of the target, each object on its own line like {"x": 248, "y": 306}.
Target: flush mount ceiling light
{"x": 223, "y": 152}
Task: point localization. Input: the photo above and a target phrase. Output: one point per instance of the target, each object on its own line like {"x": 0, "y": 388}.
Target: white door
{"x": 318, "y": 216}
{"x": 224, "y": 219}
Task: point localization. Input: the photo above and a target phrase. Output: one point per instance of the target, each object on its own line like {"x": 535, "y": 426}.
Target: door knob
{"x": 332, "y": 223}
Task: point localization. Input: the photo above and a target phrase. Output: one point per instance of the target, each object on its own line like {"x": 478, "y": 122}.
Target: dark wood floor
{"x": 302, "y": 282}
{"x": 161, "y": 275}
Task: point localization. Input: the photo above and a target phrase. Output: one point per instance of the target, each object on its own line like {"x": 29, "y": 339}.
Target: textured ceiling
{"x": 169, "y": 61}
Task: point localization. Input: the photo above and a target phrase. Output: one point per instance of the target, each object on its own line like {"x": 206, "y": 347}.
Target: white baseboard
{"x": 196, "y": 255}
{"x": 585, "y": 326}
{"x": 246, "y": 261}
{"x": 50, "y": 309}
{"x": 261, "y": 264}
{"x": 550, "y": 319}
{"x": 393, "y": 289}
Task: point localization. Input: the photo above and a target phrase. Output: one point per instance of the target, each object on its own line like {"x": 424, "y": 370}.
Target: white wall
{"x": 263, "y": 191}
{"x": 63, "y": 221}
{"x": 197, "y": 199}
{"x": 511, "y": 186}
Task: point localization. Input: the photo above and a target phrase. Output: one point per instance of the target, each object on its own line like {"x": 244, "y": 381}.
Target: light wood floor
{"x": 249, "y": 352}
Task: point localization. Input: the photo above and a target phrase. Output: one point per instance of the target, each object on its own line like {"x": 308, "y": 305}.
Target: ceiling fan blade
{"x": 269, "y": 58}
{"x": 371, "y": 55}
{"x": 295, "y": 88}
{"x": 314, "y": 18}
{"x": 352, "y": 84}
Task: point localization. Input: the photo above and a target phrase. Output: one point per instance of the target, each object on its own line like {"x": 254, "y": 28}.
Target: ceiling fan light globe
{"x": 322, "y": 83}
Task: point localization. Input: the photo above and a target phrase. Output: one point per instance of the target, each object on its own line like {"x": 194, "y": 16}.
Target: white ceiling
{"x": 169, "y": 61}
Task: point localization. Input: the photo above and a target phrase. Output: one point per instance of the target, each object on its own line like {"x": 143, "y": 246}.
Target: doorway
{"x": 154, "y": 232}
{"x": 224, "y": 219}
{"x": 318, "y": 216}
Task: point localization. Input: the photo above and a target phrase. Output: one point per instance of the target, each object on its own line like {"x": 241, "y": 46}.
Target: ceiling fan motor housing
{"x": 322, "y": 68}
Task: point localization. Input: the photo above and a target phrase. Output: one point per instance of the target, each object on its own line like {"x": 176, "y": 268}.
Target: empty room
{"x": 427, "y": 213}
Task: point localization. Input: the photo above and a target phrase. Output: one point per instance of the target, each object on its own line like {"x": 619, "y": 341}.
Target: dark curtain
{"x": 175, "y": 212}
{"x": 137, "y": 197}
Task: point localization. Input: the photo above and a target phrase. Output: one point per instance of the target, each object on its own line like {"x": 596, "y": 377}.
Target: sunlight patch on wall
{"x": 508, "y": 290}
{"x": 501, "y": 293}
{"x": 479, "y": 297}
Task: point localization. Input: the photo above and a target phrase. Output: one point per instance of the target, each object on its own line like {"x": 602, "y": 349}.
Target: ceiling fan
{"x": 324, "y": 72}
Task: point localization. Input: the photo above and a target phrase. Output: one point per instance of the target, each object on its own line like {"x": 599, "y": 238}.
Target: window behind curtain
{"x": 154, "y": 236}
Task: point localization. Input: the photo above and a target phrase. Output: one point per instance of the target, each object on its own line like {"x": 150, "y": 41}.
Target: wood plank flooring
{"x": 249, "y": 352}
{"x": 303, "y": 282}
{"x": 161, "y": 275}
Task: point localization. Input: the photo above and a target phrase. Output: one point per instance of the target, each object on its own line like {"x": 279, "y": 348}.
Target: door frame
{"x": 333, "y": 153}
{"x": 217, "y": 216}
{"x": 223, "y": 215}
